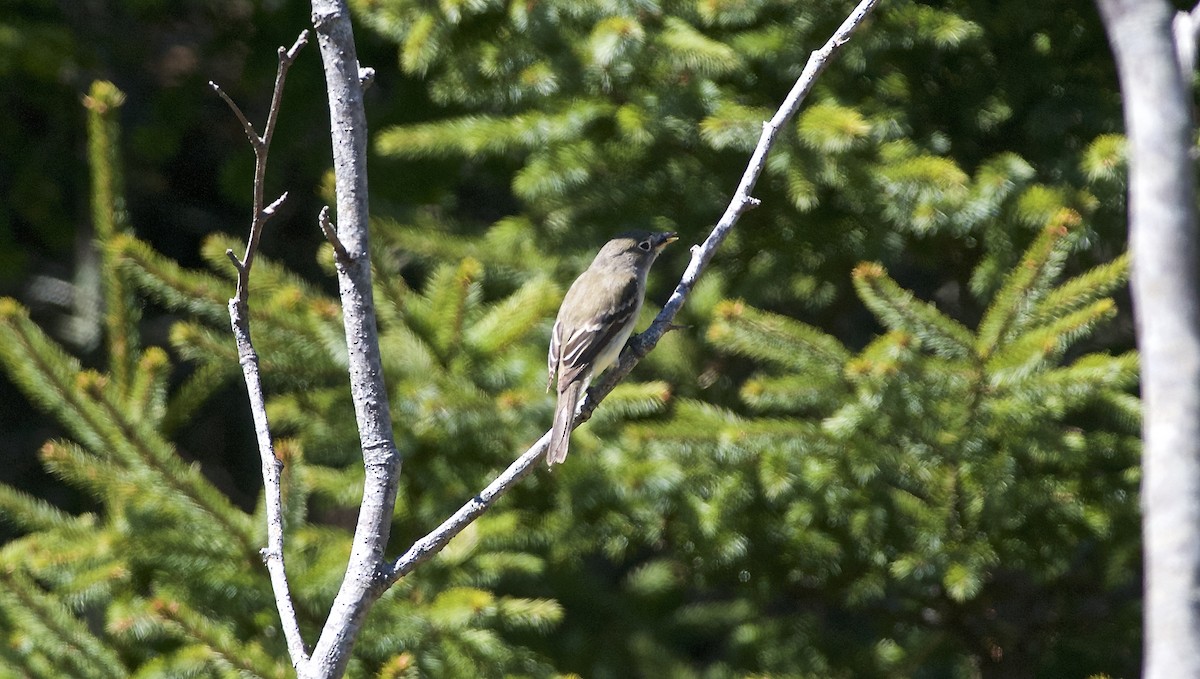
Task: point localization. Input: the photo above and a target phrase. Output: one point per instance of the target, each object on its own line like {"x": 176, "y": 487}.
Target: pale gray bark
{"x": 239, "y": 318}
{"x": 361, "y": 585}
{"x": 1162, "y": 235}
{"x": 367, "y": 575}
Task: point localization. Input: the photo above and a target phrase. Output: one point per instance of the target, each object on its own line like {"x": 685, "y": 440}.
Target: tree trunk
{"x": 1162, "y": 235}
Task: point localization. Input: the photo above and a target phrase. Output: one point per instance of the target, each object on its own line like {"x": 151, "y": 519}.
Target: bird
{"x": 596, "y": 318}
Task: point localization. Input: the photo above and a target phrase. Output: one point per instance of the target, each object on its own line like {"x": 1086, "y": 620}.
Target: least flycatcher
{"x": 595, "y": 319}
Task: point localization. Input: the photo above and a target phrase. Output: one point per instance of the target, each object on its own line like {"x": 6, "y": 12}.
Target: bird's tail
{"x": 564, "y": 417}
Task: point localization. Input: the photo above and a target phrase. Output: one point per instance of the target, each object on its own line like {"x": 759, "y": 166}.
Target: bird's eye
{"x": 644, "y": 246}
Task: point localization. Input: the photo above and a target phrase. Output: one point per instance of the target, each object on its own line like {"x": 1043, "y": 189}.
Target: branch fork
{"x": 272, "y": 466}
{"x": 261, "y": 145}
{"x": 368, "y": 573}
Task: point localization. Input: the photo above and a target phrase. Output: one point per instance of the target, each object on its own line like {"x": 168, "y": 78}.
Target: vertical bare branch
{"x": 642, "y": 344}
{"x": 1185, "y": 30}
{"x": 348, "y": 123}
{"x": 239, "y": 317}
{"x": 367, "y": 574}
{"x": 1162, "y": 233}
{"x": 261, "y": 146}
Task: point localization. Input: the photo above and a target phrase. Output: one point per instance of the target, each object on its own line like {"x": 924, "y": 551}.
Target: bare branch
{"x": 251, "y": 133}
{"x": 339, "y": 250}
{"x": 642, "y": 344}
{"x": 433, "y": 543}
{"x": 361, "y": 585}
{"x": 272, "y": 470}
{"x": 286, "y": 58}
{"x": 366, "y": 76}
{"x": 261, "y": 149}
{"x": 269, "y": 211}
{"x": 1185, "y": 29}
{"x": 1157, "y": 101}
{"x": 239, "y": 318}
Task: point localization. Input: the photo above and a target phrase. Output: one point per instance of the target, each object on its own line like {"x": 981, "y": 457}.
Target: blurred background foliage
{"x": 898, "y": 436}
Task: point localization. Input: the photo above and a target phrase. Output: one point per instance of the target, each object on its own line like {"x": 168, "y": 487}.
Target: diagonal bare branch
{"x": 247, "y": 126}
{"x": 641, "y": 345}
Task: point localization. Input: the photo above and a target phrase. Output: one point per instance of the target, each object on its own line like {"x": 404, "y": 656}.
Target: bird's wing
{"x": 579, "y": 349}
{"x": 552, "y": 358}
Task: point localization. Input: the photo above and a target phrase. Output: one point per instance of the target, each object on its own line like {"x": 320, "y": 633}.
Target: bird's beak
{"x": 665, "y": 239}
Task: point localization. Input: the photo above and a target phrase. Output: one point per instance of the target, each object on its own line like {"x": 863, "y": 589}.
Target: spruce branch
{"x": 272, "y": 465}
{"x": 642, "y": 344}
{"x": 243, "y": 657}
{"x": 25, "y": 512}
{"x": 97, "y": 416}
{"x": 110, "y": 221}
{"x": 899, "y": 309}
{"x": 75, "y": 650}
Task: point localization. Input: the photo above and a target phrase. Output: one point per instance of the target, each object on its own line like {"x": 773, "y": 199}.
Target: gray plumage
{"x": 595, "y": 320}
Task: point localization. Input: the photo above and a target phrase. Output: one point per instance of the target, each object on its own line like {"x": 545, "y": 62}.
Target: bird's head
{"x": 639, "y": 245}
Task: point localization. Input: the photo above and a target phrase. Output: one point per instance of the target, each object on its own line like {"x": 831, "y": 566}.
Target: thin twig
{"x": 251, "y": 134}
{"x": 639, "y": 346}
{"x": 339, "y": 250}
{"x": 286, "y": 58}
{"x": 742, "y": 200}
{"x": 239, "y": 318}
{"x": 1185, "y": 29}
{"x": 366, "y": 77}
{"x": 269, "y": 211}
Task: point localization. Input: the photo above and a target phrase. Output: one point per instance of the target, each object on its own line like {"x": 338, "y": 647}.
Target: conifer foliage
{"x": 896, "y": 438}
{"x": 967, "y": 470}
{"x": 164, "y": 578}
